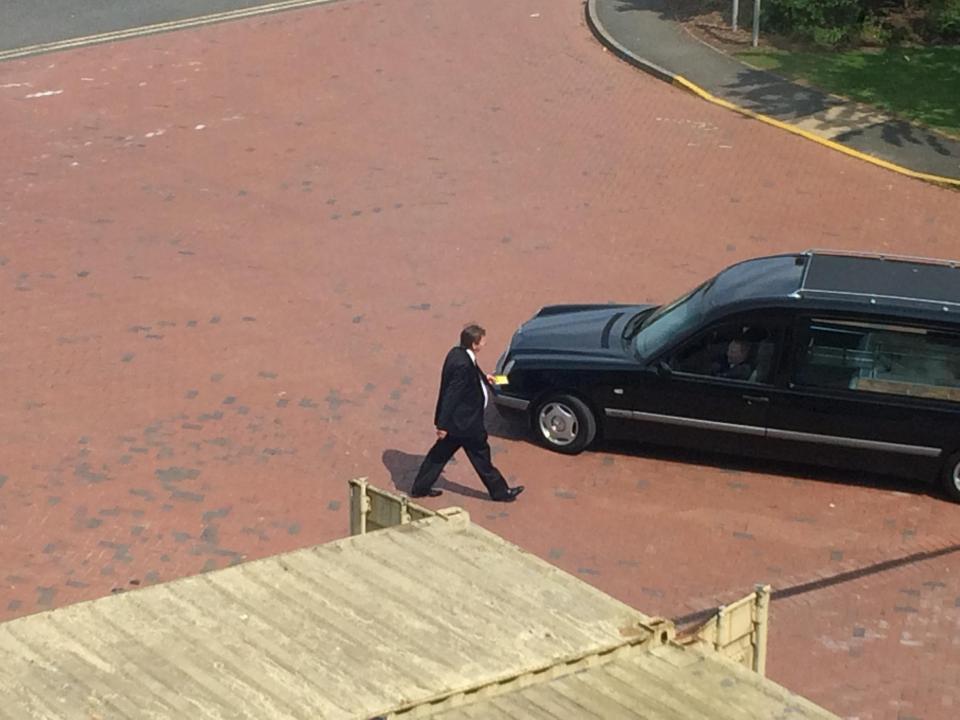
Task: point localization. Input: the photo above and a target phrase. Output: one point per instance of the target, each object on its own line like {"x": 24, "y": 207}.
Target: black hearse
{"x": 840, "y": 359}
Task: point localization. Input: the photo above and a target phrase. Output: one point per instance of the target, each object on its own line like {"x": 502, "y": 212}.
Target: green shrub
{"x": 943, "y": 19}
{"x": 825, "y": 22}
{"x": 875, "y": 32}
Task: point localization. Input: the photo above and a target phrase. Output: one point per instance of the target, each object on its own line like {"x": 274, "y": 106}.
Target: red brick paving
{"x": 232, "y": 259}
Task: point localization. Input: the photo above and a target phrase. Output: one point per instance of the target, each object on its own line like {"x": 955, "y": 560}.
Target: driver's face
{"x": 736, "y": 352}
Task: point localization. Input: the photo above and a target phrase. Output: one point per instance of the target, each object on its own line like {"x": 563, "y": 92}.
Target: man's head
{"x": 737, "y": 352}
{"x": 472, "y": 337}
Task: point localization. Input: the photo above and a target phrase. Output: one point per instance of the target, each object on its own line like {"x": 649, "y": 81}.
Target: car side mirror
{"x": 663, "y": 370}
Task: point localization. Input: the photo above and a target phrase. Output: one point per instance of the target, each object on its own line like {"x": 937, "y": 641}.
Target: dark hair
{"x": 471, "y": 335}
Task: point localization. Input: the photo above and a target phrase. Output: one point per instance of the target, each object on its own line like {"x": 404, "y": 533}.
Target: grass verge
{"x": 921, "y": 84}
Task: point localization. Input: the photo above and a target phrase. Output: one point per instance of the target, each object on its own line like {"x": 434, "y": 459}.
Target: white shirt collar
{"x": 483, "y": 385}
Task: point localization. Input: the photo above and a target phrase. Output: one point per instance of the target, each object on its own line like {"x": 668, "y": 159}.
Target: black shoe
{"x": 511, "y": 494}
{"x": 429, "y": 493}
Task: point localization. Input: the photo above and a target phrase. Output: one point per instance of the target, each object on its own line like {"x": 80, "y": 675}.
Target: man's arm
{"x": 453, "y": 396}
{"x": 738, "y": 372}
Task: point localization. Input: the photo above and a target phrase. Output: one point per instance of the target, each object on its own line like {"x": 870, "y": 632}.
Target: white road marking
{"x": 159, "y": 28}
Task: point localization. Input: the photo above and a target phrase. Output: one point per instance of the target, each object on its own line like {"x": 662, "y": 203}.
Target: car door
{"x": 867, "y": 395}
{"x": 697, "y": 395}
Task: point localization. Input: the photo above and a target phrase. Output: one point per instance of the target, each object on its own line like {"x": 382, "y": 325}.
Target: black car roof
{"x": 765, "y": 278}
{"x": 873, "y": 284}
{"x": 879, "y": 276}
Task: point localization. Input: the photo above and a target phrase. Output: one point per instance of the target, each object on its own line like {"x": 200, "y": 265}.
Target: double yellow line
{"x": 158, "y": 28}
{"x": 682, "y": 82}
{"x": 605, "y": 38}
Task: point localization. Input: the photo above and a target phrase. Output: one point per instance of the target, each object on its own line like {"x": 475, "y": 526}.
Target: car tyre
{"x": 564, "y": 423}
{"x": 950, "y": 477}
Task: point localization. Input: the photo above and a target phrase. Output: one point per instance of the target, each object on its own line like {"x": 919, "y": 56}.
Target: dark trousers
{"x": 478, "y": 452}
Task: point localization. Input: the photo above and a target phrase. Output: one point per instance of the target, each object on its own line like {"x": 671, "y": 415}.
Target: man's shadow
{"x": 403, "y": 469}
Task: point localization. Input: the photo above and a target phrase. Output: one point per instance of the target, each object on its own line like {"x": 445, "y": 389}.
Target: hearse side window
{"x": 732, "y": 351}
{"x": 892, "y": 359}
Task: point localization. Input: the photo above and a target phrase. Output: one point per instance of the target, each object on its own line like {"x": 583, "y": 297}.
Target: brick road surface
{"x": 232, "y": 258}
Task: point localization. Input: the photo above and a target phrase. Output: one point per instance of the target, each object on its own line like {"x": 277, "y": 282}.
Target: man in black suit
{"x": 459, "y": 421}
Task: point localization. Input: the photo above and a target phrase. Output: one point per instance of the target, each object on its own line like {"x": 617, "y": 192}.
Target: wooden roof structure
{"x": 435, "y": 617}
{"x": 668, "y": 682}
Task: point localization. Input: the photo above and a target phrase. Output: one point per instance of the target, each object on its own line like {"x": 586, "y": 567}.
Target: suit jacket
{"x": 460, "y": 403}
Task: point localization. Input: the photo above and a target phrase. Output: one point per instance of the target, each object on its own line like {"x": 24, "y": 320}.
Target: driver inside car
{"x": 735, "y": 362}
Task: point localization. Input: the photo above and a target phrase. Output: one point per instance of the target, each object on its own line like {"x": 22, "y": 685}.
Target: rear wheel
{"x": 950, "y": 477}
{"x": 565, "y": 423}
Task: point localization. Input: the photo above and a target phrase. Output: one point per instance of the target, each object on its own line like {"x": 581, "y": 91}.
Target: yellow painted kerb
{"x": 682, "y": 82}
{"x": 158, "y": 28}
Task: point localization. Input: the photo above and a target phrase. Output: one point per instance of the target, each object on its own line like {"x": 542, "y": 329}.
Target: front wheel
{"x": 565, "y": 423}
{"x": 950, "y": 477}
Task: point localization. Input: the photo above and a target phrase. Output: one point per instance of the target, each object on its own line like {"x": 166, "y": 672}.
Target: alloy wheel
{"x": 558, "y": 423}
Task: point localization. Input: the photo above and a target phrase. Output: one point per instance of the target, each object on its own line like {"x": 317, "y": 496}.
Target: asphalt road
{"x": 25, "y": 23}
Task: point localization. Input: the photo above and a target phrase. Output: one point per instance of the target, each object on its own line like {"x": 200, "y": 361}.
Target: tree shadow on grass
{"x": 851, "y": 124}
{"x": 901, "y": 95}
{"x": 918, "y": 83}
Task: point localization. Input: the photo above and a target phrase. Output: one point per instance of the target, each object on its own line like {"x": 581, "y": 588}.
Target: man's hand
{"x": 441, "y": 434}
{"x": 491, "y": 379}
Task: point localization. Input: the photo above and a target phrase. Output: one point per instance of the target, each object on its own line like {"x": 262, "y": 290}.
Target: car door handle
{"x": 756, "y": 398}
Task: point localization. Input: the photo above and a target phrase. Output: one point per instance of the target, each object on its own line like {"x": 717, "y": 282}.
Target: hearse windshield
{"x": 671, "y": 320}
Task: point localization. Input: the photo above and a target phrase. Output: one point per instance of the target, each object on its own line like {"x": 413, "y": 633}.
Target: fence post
{"x": 761, "y": 621}
{"x": 721, "y": 627}
{"x": 756, "y": 22}
{"x": 359, "y": 506}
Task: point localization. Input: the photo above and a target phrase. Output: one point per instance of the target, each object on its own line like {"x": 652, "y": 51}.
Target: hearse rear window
{"x": 890, "y": 359}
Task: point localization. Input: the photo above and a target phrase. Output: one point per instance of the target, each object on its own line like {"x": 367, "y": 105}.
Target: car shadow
{"x": 799, "y": 471}
{"x": 403, "y": 468}
{"x": 509, "y": 427}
